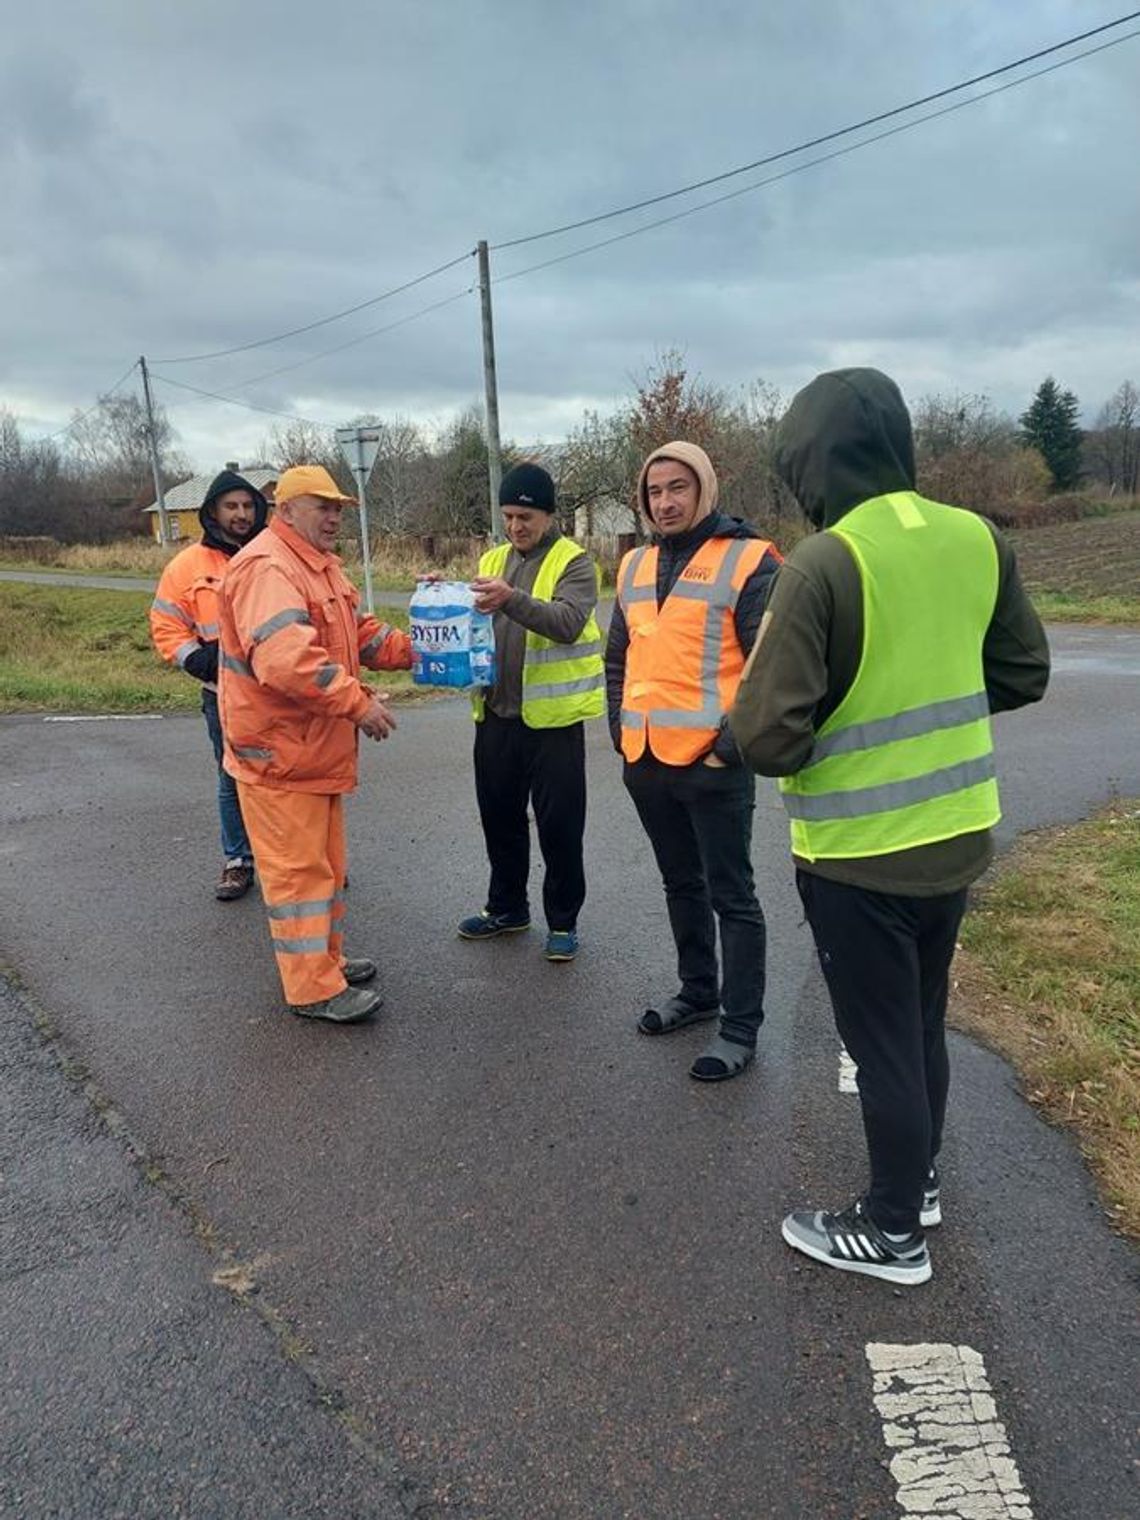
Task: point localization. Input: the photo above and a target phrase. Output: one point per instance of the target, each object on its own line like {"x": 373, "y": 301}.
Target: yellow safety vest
{"x": 562, "y": 683}
{"x": 906, "y": 758}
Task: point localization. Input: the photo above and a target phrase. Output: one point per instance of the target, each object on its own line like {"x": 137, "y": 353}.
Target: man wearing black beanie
{"x": 529, "y": 739}
{"x": 184, "y": 629}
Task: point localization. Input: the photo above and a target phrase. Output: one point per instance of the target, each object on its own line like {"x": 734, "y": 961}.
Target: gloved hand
{"x": 203, "y": 662}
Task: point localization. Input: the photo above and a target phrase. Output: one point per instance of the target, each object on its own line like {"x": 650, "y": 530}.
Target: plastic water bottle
{"x": 452, "y": 644}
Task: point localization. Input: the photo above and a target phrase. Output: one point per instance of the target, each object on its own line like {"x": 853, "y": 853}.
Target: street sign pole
{"x": 360, "y": 446}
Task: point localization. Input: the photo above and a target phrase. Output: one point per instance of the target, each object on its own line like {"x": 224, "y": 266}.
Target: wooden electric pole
{"x": 491, "y": 390}
{"x": 156, "y": 469}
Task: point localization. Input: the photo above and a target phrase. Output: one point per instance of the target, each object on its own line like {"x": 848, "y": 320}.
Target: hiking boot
{"x": 853, "y": 1242}
{"x": 348, "y": 1007}
{"x": 236, "y": 880}
{"x": 561, "y": 945}
{"x": 358, "y": 971}
{"x": 931, "y": 1211}
{"x": 486, "y": 925}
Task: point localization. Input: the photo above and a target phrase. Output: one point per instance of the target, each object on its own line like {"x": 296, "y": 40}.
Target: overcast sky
{"x": 182, "y": 177}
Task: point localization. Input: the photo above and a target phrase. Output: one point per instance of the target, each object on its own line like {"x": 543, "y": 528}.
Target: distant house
{"x": 183, "y": 501}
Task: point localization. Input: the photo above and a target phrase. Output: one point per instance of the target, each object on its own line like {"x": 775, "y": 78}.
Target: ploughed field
{"x": 1097, "y": 556}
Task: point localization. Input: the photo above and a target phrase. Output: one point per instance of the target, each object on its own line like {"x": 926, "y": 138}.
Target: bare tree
{"x": 1112, "y": 449}
{"x": 299, "y": 442}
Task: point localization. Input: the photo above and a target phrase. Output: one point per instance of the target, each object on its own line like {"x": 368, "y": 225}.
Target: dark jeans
{"x": 546, "y": 767}
{"x": 886, "y": 960}
{"x": 235, "y": 841}
{"x": 699, "y": 822}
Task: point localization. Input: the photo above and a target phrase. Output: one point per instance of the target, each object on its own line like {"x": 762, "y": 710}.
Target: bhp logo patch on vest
{"x": 698, "y": 573}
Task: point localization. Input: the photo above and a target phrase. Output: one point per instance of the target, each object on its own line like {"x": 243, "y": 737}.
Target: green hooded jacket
{"x": 845, "y": 439}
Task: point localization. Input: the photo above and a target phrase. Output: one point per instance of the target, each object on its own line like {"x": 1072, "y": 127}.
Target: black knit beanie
{"x": 527, "y": 485}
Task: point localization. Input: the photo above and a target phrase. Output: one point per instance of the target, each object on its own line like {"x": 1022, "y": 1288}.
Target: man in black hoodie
{"x": 687, "y": 612}
{"x": 892, "y": 635}
{"x": 184, "y": 628}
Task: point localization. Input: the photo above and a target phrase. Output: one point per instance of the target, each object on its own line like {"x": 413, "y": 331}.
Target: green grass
{"x": 1052, "y": 978}
{"x": 65, "y": 649}
{"x": 1072, "y": 607}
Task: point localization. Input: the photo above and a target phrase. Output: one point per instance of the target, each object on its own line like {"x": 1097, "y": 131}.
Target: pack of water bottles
{"x": 452, "y": 643}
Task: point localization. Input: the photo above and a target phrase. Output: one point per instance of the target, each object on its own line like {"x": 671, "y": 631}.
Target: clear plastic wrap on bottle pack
{"x": 452, "y": 644}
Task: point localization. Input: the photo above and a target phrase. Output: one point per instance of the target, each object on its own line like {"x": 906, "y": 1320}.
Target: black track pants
{"x": 545, "y": 767}
{"x": 886, "y": 960}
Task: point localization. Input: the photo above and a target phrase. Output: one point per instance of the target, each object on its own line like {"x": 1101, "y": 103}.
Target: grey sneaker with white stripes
{"x": 931, "y": 1211}
{"x": 853, "y": 1242}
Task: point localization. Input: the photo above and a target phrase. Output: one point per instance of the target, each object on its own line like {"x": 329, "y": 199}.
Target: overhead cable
{"x": 351, "y": 343}
{"x": 75, "y": 421}
{"x": 810, "y": 163}
{"x": 241, "y": 348}
{"x": 816, "y": 142}
{"x": 250, "y": 406}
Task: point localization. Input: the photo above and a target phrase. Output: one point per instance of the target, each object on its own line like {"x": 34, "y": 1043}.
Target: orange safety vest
{"x": 184, "y": 612}
{"x": 684, "y": 661}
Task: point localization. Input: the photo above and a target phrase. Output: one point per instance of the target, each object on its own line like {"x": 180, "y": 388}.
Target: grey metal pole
{"x": 491, "y": 389}
{"x": 156, "y": 470}
{"x": 365, "y": 546}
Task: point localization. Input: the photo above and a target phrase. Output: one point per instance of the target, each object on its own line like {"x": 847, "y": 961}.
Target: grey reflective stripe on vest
{"x": 207, "y": 630}
{"x": 251, "y": 752}
{"x": 326, "y": 675}
{"x": 239, "y": 667}
{"x": 184, "y": 651}
{"x": 562, "y": 652}
{"x": 278, "y": 621}
{"x": 376, "y": 640}
{"x": 172, "y": 610}
{"x": 912, "y": 724}
{"x": 627, "y": 591}
{"x": 721, "y": 596}
{"x": 867, "y": 800}
{"x": 311, "y": 909}
{"x": 564, "y": 688}
{"x": 312, "y": 946}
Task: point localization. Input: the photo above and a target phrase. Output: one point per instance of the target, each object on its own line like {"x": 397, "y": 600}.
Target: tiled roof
{"x": 187, "y": 497}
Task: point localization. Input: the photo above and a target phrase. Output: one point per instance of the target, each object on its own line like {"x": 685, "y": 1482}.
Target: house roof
{"x": 188, "y": 496}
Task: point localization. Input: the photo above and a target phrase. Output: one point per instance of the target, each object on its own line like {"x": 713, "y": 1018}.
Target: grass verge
{"x": 1049, "y": 975}
{"x": 63, "y": 649}
{"x": 1070, "y": 607}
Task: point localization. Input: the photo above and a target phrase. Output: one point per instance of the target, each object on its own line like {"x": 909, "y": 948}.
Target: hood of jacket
{"x": 700, "y": 464}
{"x": 230, "y": 480}
{"x": 845, "y": 438}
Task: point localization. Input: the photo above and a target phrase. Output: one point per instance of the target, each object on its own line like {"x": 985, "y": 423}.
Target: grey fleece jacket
{"x": 561, "y": 619}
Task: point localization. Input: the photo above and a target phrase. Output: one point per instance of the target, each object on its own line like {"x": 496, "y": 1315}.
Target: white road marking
{"x": 847, "y": 1070}
{"x": 951, "y": 1454}
{"x": 106, "y": 718}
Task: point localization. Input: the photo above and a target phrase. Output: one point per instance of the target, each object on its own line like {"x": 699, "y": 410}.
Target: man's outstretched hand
{"x": 379, "y": 721}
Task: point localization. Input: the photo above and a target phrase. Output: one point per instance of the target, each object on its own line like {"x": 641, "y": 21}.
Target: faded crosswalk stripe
{"x": 951, "y": 1457}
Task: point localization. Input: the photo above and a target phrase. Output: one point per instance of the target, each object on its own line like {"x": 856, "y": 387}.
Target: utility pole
{"x": 152, "y": 437}
{"x": 491, "y": 389}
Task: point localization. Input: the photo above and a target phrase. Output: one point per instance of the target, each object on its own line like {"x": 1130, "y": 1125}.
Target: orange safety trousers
{"x": 298, "y": 843}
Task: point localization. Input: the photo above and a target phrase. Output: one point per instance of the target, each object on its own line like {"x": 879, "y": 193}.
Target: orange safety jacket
{"x": 292, "y": 644}
{"x": 184, "y": 612}
{"x": 684, "y": 660}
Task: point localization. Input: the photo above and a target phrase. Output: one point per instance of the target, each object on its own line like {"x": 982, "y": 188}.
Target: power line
{"x": 75, "y": 421}
{"x": 241, "y": 348}
{"x": 250, "y": 406}
{"x": 811, "y": 163}
{"x": 816, "y": 142}
{"x": 352, "y": 342}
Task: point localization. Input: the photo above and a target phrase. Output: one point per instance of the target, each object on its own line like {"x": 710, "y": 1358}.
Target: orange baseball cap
{"x": 309, "y": 480}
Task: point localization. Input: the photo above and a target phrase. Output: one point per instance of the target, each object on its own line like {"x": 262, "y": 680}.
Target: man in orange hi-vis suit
{"x": 293, "y": 704}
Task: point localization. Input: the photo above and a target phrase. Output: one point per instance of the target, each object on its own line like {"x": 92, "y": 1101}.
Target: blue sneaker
{"x": 485, "y": 925}
{"x": 561, "y": 945}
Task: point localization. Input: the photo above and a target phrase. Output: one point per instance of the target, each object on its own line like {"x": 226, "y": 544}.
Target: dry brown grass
{"x": 1049, "y": 975}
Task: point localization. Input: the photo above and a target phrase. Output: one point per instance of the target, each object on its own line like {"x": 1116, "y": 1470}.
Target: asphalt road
{"x": 534, "y": 1267}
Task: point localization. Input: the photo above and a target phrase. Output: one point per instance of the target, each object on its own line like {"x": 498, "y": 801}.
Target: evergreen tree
{"x": 1050, "y": 426}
